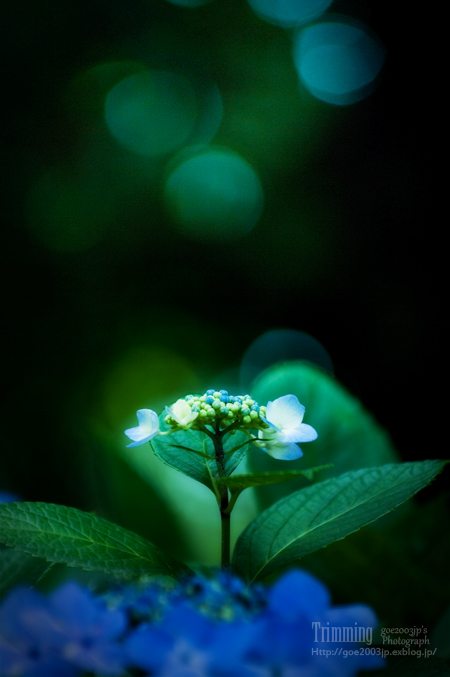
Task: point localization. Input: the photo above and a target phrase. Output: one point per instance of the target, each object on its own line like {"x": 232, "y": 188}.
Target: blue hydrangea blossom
{"x": 202, "y": 626}
{"x": 60, "y": 635}
{"x": 147, "y": 429}
{"x": 284, "y": 417}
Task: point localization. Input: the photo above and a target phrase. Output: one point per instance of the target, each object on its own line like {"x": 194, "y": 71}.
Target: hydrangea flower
{"x": 280, "y": 636}
{"x": 190, "y": 630}
{"x": 59, "y": 636}
{"x": 284, "y": 416}
{"x": 288, "y": 638}
{"x": 182, "y": 413}
{"x": 25, "y": 646}
{"x": 147, "y": 429}
{"x": 187, "y": 643}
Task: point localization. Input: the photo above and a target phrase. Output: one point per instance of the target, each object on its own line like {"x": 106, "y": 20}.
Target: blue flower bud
{"x": 245, "y": 411}
{"x": 223, "y": 392}
{"x": 210, "y": 392}
{"x": 254, "y": 407}
{"x": 225, "y": 398}
{"x": 209, "y": 399}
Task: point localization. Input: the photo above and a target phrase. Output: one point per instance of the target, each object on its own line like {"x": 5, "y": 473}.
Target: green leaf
{"x": 314, "y": 517}
{"x": 78, "y": 539}
{"x": 18, "y": 567}
{"x": 349, "y": 437}
{"x": 262, "y": 478}
{"x": 178, "y": 451}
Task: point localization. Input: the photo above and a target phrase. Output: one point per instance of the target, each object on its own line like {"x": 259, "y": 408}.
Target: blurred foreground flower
{"x": 199, "y": 627}
{"x": 61, "y": 635}
{"x": 284, "y": 416}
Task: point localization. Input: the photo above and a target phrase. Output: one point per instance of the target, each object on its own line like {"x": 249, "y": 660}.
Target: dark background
{"x": 357, "y": 274}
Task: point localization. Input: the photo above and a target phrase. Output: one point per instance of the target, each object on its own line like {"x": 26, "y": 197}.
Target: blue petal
{"x": 303, "y": 433}
{"x": 297, "y": 594}
{"x": 284, "y": 452}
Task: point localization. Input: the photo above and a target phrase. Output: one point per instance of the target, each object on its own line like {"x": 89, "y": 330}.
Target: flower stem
{"x": 225, "y": 517}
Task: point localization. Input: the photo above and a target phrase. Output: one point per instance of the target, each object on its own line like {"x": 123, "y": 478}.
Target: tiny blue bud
{"x": 223, "y": 392}
{"x": 254, "y": 407}
{"x": 224, "y": 411}
{"x": 209, "y": 399}
{"x": 225, "y": 398}
{"x": 210, "y": 392}
{"x": 245, "y": 410}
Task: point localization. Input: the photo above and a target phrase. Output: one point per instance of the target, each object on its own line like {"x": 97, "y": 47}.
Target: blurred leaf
{"x": 262, "y": 478}
{"x": 17, "y": 567}
{"x": 419, "y": 549}
{"x": 78, "y": 539}
{"x": 349, "y": 437}
{"x": 178, "y": 451}
{"x": 314, "y": 517}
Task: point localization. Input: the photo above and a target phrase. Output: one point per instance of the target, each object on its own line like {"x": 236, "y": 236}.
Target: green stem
{"x": 226, "y": 529}
{"x": 224, "y": 513}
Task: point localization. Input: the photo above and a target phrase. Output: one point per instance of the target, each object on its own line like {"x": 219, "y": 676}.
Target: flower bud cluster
{"x": 218, "y": 407}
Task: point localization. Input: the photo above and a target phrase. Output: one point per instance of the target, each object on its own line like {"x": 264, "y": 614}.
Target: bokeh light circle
{"x": 281, "y": 345}
{"x": 213, "y": 194}
{"x": 289, "y": 13}
{"x": 338, "y": 61}
{"x": 152, "y": 112}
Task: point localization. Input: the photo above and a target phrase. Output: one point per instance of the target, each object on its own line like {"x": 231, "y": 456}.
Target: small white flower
{"x": 147, "y": 429}
{"x": 285, "y": 416}
{"x": 182, "y": 413}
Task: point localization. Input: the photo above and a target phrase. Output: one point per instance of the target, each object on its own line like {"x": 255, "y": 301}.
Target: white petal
{"x": 272, "y": 425}
{"x": 303, "y": 433}
{"x": 285, "y": 412}
{"x": 148, "y": 419}
{"x": 284, "y": 452}
{"x": 136, "y": 434}
{"x": 141, "y": 441}
{"x": 147, "y": 429}
{"x": 306, "y": 433}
